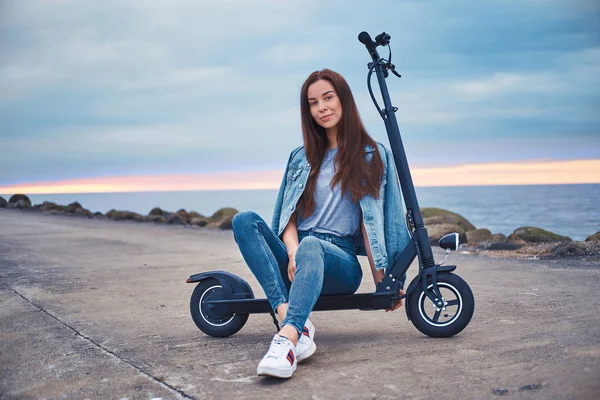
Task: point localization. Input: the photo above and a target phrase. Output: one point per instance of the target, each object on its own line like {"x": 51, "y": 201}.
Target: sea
{"x": 569, "y": 210}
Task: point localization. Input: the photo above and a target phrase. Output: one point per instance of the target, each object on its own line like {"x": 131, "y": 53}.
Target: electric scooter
{"x": 438, "y": 302}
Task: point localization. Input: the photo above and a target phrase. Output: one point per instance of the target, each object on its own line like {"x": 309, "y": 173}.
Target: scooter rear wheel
{"x": 208, "y": 321}
{"x": 452, "y": 317}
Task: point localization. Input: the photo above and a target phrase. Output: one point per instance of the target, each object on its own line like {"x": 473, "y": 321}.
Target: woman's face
{"x": 324, "y": 103}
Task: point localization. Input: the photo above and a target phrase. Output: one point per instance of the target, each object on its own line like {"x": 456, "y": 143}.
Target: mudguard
{"x": 230, "y": 282}
{"x": 417, "y": 279}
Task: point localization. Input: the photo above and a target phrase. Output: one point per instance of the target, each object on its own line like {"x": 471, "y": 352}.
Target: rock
{"x": 478, "y": 236}
{"x": 592, "y": 250}
{"x": 499, "y": 246}
{"x": 22, "y": 204}
{"x": 568, "y": 250}
{"x": 159, "y": 219}
{"x": 589, "y": 251}
{"x": 98, "y": 214}
{"x": 536, "y": 249}
{"x": 441, "y": 222}
{"x": 194, "y": 214}
{"x": 594, "y": 238}
{"x": 48, "y": 206}
{"x": 500, "y": 391}
{"x": 440, "y": 216}
{"x": 157, "y": 211}
{"x": 222, "y": 213}
{"x": 183, "y": 216}
{"x": 177, "y": 219}
{"x": 438, "y": 220}
{"x": 498, "y": 237}
{"x": 20, "y": 201}
{"x": 74, "y": 207}
{"x": 529, "y": 234}
{"x": 134, "y": 216}
{"x": 112, "y": 214}
{"x": 226, "y": 223}
{"x": 198, "y": 221}
{"x": 222, "y": 218}
{"x": 3, "y": 202}
{"x": 533, "y": 386}
{"x": 83, "y": 212}
{"x": 16, "y": 197}
{"x": 124, "y": 216}
{"x": 436, "y": 232}
{"x": 497, "y": 241}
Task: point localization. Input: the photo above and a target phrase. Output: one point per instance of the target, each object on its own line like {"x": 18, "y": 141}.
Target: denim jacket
{"x": 383, "y": 217}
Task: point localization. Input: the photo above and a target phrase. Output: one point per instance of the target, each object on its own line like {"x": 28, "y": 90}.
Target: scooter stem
{"x": 391, "y": 125}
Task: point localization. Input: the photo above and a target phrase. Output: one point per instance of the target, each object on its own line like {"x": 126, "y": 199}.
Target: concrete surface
{"x": 100, "y": 309}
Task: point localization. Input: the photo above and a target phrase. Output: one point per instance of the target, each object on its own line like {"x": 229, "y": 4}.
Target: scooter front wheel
{"x": 455, "y": 313}
{"x": 209, "y": 321}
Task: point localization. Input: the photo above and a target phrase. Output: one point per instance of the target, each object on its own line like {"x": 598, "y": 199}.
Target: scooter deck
{"x": 363, "y": 301}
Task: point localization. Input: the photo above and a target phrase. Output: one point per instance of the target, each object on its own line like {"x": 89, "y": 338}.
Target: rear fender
{"x": 230, "y": 282}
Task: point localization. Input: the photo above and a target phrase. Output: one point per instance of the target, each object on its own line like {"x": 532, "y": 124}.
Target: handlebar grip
{"x": 365, "y": 39}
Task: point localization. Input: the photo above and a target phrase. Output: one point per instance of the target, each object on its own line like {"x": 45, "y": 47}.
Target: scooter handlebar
{"x": 371, "y": 45}
{"x": 365, "y": 39}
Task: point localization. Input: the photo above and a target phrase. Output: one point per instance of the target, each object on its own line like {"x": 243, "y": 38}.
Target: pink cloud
{"x": 510, "y": 173}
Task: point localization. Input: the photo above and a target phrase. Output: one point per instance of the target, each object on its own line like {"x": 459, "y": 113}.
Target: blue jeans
{"x": 325, "y": 264}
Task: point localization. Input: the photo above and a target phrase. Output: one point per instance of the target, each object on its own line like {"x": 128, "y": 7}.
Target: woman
{"x": 339, "y": 198}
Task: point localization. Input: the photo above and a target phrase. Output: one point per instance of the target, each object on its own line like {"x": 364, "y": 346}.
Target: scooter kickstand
{"x": 275, "y": 321}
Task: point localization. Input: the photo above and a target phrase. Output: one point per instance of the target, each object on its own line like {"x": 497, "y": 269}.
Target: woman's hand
{"x": 377, "y": 274}
{"x": 290, "y": 240}
{"x": 291, "y": 266}
{"x": 397, "y": 304}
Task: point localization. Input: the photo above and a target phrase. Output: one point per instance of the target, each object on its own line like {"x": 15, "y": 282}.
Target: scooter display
{"x": 438, "y": 302}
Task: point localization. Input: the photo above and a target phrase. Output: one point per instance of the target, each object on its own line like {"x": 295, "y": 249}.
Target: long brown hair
{"x": 353, "y": 172}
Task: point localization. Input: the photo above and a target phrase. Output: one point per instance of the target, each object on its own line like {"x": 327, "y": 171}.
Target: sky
{"x": 134, "y": 95}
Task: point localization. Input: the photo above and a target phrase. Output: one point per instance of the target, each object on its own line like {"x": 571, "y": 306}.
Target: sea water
{"x": 570, "y": 210}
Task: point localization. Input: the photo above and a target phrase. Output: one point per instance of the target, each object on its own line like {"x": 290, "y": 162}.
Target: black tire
{"x": 455, "y": 316}
{"x": 216, "y": 325}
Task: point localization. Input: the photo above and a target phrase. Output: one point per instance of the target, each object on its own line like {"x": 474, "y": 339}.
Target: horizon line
{"x": 564, "y": 172}
{"x": 259, "y": 189}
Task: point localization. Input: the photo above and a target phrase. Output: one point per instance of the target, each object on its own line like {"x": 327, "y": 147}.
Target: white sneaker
{"x": 280, "y": 360}
{"x": 306, "y": 343}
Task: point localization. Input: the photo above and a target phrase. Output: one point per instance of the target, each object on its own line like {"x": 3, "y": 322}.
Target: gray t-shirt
{"x": 333, "y": 212}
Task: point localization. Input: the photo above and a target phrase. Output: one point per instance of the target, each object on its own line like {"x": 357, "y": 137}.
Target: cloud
{"x": 239, "y": 180}
{"x": 192, "y": 78}
{"x": 522, "y": 173}
{"x": 519, "y": 173}
{"x": 507, "y": 82}
{"x": 285, "y": 53}
{"x": 126, "y": 87}
{"x": 128, "y": 43}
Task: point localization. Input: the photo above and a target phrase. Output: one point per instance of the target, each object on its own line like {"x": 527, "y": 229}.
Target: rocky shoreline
{"x": 525, "y": 241}
{"x": 220, "y": 219}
